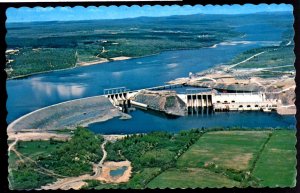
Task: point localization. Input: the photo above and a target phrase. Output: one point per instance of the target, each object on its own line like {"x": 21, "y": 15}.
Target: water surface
{"x": 118, "y": 172}
{"x": 146, "y": 121}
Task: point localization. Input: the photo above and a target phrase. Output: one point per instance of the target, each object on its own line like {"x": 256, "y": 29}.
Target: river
{"x": 37, "y": 91}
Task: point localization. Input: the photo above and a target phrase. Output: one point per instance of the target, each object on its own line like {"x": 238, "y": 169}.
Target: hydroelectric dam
{"x": 194, "y": 100}
{"x": 175, "y": 99}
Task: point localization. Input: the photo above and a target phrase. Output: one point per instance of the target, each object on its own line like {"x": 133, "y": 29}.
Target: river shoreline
{"x": 119, "y": 58}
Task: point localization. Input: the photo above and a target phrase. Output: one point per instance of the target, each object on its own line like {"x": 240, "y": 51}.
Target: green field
{"x": 225, "y": 149}
{"x": 276, "y": 166}
{"x": 191, "y": 178}
{"x": 34, "y": 149}
{"x": 235, "y": 158}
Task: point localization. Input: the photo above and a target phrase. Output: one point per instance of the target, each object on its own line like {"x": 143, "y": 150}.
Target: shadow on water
{"x": 159, "y": 114}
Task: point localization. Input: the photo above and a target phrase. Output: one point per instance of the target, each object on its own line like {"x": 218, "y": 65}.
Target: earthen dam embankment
{"x": 67, "y": 115}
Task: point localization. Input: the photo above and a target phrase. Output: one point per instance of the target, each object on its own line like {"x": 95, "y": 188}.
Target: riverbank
{"x": 103, "y": 60}
{"x": 80, "y": 64}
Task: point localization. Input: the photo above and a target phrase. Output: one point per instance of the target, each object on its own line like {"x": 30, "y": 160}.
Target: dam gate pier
{"x": 119, "y": 97}
{"x": 198, "y": 101}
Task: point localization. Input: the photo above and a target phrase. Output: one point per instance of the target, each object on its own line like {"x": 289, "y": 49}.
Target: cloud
{"x": 66, "y": 9}
{"x": 42, "y": 9}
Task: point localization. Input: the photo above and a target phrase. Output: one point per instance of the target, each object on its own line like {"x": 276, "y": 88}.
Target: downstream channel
{"x": 34, "y": 92}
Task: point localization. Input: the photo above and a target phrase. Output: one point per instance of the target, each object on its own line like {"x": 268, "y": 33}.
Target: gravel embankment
{"x": 165, "y": 101}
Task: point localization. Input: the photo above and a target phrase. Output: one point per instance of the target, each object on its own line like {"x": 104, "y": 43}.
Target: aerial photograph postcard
{"x": 136, "y": 97}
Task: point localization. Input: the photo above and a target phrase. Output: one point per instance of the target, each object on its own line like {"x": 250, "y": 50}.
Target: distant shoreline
{"x": 81, "y": 64}
{"x": 118, "y": 58}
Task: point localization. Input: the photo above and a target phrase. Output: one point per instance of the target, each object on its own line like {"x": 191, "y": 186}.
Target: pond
{"x": 118, "y": 172}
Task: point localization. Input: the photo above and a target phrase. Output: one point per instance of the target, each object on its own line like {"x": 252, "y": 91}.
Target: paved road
{"x": 234, "y": 65}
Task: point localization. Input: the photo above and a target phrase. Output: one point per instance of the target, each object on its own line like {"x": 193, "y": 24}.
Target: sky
{"x": 25, "y": 14}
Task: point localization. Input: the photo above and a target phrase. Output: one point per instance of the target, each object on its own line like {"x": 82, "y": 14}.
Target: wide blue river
{"x": 34, "y": 92}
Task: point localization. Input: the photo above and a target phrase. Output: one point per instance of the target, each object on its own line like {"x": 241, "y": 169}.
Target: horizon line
{"x": 97, "y": 19}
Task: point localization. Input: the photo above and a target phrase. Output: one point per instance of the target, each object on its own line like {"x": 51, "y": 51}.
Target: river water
{"x": 34, "y": 92}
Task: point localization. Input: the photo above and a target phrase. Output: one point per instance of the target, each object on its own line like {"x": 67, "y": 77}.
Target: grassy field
{"x": 276, "y": 166}
{"x": 225, "y": 149}
{"x": 191, "y": 178}
{"x": 33, "y": 149}
{"x": 234, "y": 158}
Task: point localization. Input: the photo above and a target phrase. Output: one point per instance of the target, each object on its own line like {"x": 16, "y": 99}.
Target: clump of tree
{"x": 76, "y": 156}
{"x": 156, "y": 149}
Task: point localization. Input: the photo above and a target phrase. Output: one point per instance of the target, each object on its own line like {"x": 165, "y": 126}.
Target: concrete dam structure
{"x": 89, "y": 110}
{"x": 228, "y": 101}
{"x": 244, "y": 101}
{"x": 196, "y": 100}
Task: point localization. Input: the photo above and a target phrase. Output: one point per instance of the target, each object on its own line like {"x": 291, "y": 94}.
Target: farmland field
{"x": 191, "y": 178}
{"x": 235, "y": 158}
{"x": 276, "y": 166}
{"x": 225, "y": 149}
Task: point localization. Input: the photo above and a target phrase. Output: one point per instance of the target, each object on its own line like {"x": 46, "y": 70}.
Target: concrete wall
{"x": 238, "y": 98}
{"x": 246, "y": 106}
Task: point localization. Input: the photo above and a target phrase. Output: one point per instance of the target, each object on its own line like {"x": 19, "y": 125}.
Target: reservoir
{"x": 28, "y": 94}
